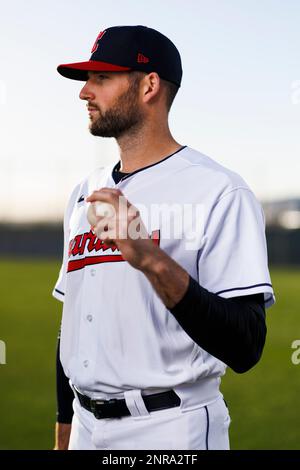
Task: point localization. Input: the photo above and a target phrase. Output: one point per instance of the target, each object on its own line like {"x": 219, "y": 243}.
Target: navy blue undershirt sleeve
{"x": 233, "y": 330}
{"x": 64, "y": 393}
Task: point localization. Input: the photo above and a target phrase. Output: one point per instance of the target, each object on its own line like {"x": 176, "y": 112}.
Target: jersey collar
{"x": 127, "y": 175}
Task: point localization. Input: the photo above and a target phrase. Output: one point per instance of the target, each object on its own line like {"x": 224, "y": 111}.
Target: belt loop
{"x": 135, "y": 403}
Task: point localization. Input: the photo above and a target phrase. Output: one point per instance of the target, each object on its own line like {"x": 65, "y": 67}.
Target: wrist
{"x": 153, "y": 261}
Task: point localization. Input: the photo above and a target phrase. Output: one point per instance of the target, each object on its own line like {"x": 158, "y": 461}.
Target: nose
{"x": 86, "y": 92}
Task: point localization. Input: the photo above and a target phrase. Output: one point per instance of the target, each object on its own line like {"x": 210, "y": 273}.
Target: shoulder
{"x": 91, "y": 180}
{"x": 94, "y": 176}
{"x": 216, "y": 177}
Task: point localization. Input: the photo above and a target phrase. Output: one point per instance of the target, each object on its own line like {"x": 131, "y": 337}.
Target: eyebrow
{"x": 92, "y": 73}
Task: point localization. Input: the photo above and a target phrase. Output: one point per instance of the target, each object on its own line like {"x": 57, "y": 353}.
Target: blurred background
{"x": 239, "y": 103}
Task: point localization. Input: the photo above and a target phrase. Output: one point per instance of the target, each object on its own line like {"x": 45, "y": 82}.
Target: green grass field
{"x": 263, "y": 402}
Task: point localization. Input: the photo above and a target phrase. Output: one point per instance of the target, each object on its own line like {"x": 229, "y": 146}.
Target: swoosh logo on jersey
{"x": 81, "y": 199}
{"x": 89, "y": 242}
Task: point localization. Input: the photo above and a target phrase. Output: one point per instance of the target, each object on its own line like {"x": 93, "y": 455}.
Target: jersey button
{"x": 89, "y": 318}
{"x": 86, "y": 363}
{"x": 93, "y": 272}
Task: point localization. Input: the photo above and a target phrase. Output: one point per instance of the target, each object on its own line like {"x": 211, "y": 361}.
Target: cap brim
{"x": 79, "y": 70}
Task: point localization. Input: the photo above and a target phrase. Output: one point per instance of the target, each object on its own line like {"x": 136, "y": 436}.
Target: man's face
{"x": 113, "y": 103}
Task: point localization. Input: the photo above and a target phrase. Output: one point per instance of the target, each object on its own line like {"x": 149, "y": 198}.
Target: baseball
{"x": 98, "y": 209}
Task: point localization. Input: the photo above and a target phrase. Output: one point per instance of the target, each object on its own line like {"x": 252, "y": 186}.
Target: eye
{"x": 100, "y": 76}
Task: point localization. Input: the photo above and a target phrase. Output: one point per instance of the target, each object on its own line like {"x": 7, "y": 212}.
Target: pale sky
{"x": 239, "y": 101}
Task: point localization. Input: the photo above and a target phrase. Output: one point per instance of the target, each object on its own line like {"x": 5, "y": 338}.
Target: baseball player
{"x": 167, "y": 288}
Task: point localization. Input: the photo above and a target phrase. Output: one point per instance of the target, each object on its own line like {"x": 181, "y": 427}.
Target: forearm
{"x": 64, "y": 414}
{"x": 64, "y": 393}
{"x": 233, "y": 330}
{"x": 167, "y": 277}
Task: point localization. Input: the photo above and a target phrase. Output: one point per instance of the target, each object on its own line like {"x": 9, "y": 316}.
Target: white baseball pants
{"x": 168, "y": 429}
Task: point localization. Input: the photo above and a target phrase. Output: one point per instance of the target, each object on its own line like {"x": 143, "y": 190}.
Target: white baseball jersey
{"x": 117, "y": 334}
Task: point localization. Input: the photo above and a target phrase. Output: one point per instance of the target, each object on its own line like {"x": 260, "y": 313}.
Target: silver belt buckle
{"x": 96, "y": 412}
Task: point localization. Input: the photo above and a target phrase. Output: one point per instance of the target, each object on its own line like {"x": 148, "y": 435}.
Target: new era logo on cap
{"x": 142, "y": 59}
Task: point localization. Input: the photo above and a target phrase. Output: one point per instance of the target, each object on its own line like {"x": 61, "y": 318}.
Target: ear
{"x": 151, "y": 86}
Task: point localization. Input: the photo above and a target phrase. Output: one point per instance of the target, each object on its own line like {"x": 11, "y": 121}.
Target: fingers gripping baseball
{"x": 112, "y": 217}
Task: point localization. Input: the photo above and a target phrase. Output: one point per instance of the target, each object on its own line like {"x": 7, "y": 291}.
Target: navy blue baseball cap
{"x": 125, "y": 48}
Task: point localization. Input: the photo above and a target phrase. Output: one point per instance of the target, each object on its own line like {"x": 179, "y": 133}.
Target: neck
{"x": 145, "y": 146}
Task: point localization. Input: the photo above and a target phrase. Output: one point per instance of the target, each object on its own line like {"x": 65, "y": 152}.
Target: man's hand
{"x": 62, "y": 436}
{"x": 124, "y": 228}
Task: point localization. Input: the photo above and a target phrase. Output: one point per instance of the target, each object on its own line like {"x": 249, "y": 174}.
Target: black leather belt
{"x": 116, "y": 408}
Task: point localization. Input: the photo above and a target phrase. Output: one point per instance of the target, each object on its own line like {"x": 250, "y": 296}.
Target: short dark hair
{"x": 171, "y": 92}
{"x": 170, "y": 88}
